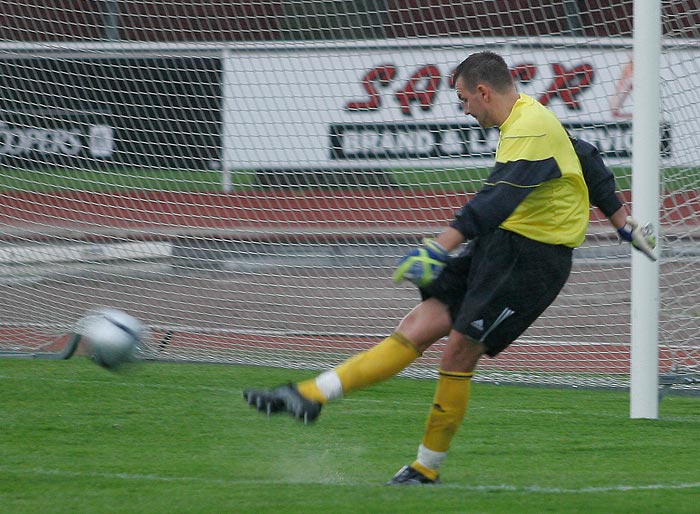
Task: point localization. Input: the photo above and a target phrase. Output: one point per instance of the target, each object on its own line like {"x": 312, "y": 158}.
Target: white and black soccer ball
{"x": 113, "y": 337}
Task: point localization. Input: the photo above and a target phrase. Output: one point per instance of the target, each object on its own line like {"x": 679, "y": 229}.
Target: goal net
{"x": 243, "y": 176}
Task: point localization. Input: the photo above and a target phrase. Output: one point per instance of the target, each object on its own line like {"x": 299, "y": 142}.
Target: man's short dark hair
{"x": 484, "y": 68}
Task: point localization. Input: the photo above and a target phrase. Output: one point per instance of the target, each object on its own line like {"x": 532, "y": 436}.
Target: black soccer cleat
{"x": 411, "y": 476}
{"x": 284, "y": 398}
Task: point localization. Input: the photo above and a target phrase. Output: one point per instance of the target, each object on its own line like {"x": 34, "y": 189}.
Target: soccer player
{"x": 522, "y": 227}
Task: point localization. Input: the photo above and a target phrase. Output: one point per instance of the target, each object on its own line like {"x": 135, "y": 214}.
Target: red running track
{"x": 274, "y": 208}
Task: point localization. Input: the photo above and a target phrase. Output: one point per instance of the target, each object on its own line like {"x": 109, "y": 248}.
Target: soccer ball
{"x": 112, "y": 336}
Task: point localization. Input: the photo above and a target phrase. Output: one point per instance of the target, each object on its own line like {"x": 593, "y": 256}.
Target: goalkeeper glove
{"x": 641, "y": 238}
{"x": 421, "y": 265}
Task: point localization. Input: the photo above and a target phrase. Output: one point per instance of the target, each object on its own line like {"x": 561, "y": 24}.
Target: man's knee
{"x": 426, "y": 323}
{"x": 462, "y": 353}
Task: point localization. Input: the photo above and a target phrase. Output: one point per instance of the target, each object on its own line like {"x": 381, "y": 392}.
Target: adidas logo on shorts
{"x": 478, "y": 324}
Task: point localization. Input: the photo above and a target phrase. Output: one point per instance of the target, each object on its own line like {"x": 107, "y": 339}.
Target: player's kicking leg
{"x": 304, "y": 400}
{"x": 424, "y": 325}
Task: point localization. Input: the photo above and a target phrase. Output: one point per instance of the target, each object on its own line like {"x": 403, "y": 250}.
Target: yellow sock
{"x": 310, "y": 390}
{"x": 382, "y": 361}
{"x": 449, "y": 407}
{"x": 432, "y": 474}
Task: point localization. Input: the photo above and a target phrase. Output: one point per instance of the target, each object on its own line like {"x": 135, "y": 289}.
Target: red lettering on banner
{"x": 379, "y": 76}
{"x": 568, "y": 84}
{"x": 421, "y": 88}
{"x": 524, "y": 73}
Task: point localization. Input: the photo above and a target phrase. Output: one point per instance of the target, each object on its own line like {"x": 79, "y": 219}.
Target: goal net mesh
{"x": 243, "y": 176}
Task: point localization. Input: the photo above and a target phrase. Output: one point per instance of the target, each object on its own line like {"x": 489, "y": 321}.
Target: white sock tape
{"x": 429, "y": 458}
{"x": 330, "y": 385}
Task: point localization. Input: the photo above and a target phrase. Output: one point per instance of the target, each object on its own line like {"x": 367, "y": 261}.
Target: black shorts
{"x": 499, "y": 285}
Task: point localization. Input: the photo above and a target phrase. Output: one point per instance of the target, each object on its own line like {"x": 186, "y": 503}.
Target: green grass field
{"x": 178, "y": 438}
{"x": 205, "y": 181}
{"x": 159, "y": 179}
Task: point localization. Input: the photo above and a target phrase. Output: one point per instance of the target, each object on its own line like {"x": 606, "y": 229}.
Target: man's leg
{"x": 447, "y": 412}
{"x": 425, "y": 324}
{"x": 380, "y": 362}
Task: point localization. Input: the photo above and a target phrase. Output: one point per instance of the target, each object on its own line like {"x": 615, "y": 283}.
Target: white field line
{"x": 521, "y": 489}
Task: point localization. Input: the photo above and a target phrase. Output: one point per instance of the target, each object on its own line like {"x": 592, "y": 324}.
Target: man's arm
{"x": 599, "y": 180}
{"x": 603, "y": 194}
{"x": 450, "y": 239}
{"x": 508, "y": 184}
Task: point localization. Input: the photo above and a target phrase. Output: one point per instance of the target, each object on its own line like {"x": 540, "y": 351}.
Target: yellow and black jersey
{"x": 536, "y": 188}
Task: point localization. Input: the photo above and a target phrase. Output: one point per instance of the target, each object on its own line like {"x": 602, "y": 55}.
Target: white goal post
{"x": 644, "y": 357}
{"x": 243, "y": 176}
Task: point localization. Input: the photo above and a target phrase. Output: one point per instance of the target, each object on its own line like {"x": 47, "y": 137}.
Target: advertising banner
{"x": 111, "y": 112}
{"x": 384, "y": 106}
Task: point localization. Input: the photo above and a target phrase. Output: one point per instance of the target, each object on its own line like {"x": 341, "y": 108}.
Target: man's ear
{"x": 484, "y": 91}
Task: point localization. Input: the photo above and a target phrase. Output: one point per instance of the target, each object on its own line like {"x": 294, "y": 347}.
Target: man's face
{"x": 476, "y": 103}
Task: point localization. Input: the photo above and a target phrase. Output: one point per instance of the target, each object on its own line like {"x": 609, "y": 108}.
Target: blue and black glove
{"x": 421, "y": 265}
{"x": 641, "y": 238}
